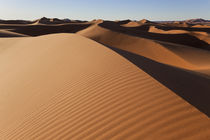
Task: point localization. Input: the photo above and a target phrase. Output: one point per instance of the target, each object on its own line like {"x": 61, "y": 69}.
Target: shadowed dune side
{"x": 39, "y": 29}
{"x": 74, "y": 88}
{"x": 15, "y": 22}
{"x": 11, "y": 26}
{"x": 141, "y": 27}
{"x": 6, "y": 33}
{"x": 184, "y": 39}
{"x": 191, "y": 86}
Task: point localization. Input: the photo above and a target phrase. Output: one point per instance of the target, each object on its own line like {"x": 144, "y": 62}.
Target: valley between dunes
{"x": 104, "y": 80}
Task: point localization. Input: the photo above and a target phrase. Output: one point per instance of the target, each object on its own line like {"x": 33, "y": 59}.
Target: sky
{"x": 155, "y": 10}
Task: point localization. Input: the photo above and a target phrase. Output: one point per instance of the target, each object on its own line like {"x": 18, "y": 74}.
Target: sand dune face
{"x": 73, "y": 88}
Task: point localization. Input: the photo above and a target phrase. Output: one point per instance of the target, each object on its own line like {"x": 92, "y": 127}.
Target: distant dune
{"x": 71, "y": 79}
{"x": 45, "y": 20}
{"x": 132, "y": 24}
{"x": 163, "y": 52}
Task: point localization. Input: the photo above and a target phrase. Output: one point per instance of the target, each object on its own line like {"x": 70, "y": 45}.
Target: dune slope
{"x": 65, "y": 86}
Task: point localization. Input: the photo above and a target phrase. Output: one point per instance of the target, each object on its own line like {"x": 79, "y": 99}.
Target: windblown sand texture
{"x": 75, "y": 80}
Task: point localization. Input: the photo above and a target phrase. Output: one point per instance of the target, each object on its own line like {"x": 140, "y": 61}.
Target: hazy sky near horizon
{"x": 105, "y": 9}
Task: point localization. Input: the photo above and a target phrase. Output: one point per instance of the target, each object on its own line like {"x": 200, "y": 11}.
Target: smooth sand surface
{"x": 66, "y": 86}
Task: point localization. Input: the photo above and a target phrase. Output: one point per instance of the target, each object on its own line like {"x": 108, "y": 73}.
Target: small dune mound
{"x": 97, "y": 21}
{"x": 145, "y": 21}
{"x": 57, "y": 21}
{"x": 180, "y": 24}
{"x": 201, "y": 26}
{"x": 153, "y": 29}
{"x": 43, "y": 20}
{"x": 131, "y": 24}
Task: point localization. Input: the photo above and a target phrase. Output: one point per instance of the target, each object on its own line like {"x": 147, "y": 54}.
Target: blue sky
{"x": 105, "y": 9}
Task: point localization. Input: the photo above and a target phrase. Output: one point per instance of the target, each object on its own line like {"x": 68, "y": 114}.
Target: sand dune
{"x": 142, "y": 31}
{"x": 153, "y": 29}
{"x": 204, "y": 36}
{"x": 121, "y": 22}
{"x": 73, "y": 88}
{"x": 131, "y": 24}
{"x": 145, "y": 21}
{"x": 181, "y": 24}
{"x": 167, "y": 53}
{"x": 201, "y": 26}
{"x": 148, "y": 48}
